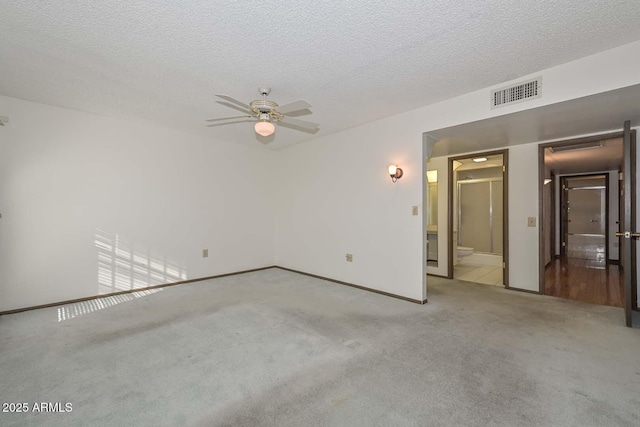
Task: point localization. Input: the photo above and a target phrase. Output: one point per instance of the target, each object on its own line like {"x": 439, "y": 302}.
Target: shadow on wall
{"x": 124, "y": 265}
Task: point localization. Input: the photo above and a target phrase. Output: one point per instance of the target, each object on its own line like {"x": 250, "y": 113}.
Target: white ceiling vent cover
{"x": 520, "y": 92}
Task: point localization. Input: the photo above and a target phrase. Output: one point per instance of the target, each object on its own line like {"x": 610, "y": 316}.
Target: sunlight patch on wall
{"x": 124, "y": 265}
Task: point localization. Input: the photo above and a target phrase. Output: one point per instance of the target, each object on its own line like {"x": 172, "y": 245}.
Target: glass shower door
{"x": 480, "y": 214}
{"x": 586, "y": 219}
{"x": 475, "y": 216}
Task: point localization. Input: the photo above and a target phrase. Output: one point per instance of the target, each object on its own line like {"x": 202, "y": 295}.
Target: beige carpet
{"x": 280, "y": 349}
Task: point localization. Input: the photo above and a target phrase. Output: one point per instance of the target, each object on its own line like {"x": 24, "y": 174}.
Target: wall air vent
{"x": 517, "y": 93}
{"x": 576, "y": 147}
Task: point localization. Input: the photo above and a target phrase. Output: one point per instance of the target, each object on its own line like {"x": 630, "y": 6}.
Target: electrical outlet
{"x": 531, "y": 221}
{"x": 414, "y": 210}
{"x": 205, "y": 253}
{"x": 349, "y": 257}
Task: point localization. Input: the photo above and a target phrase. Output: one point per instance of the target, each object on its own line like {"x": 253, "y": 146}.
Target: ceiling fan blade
{"x": 233, "y": 101}
{"x": 228, "y": 118}
{"x": 235, "y": 107}
{"x": 229, "y": 123}
{"x": 293, "y": 106}
{"x": 300, "y": 123}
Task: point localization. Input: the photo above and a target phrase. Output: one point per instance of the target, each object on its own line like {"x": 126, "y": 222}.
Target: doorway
{"x": 477, "y": 223}
{"x": 580, "y": 257}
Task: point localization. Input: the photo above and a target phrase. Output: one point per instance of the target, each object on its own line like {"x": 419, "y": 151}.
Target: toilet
{"x": 464, "y": 251}
{"x": 461, "y": 251}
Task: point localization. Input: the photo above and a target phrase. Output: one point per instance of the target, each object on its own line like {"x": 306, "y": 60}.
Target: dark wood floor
{"x": 584, "y": 280}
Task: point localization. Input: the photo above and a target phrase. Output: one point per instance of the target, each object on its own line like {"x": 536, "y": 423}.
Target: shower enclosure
{"x": 480, "y": 215}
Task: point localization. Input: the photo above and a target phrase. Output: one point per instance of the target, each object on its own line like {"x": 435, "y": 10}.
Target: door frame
{"x": 541, "y": 148}
{"x": 564, "y": 213}
{"x": 505, "y": 208}
{"x": 628, "y": 223}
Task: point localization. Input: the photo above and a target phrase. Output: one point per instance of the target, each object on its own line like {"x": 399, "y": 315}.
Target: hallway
{"x": 584, "y": 280}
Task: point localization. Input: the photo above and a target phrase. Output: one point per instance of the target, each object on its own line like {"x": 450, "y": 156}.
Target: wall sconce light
{"x": 395, "y": 172}
{"x": 432, "y": 176}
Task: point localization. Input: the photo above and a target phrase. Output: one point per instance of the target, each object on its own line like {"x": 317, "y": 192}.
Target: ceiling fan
{"x": 266, "y": 113}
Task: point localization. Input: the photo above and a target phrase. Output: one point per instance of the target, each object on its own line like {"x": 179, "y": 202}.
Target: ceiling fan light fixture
{"x": 266, "y": 113}
{"x": 264, "y": 128}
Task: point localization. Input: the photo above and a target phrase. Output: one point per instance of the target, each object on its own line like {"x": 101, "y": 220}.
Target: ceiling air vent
{"x": 517, "y": 93}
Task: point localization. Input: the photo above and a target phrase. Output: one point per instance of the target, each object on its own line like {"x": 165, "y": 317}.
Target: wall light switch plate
{"x": 349, "y": 257}
{"x": 414, "y": 210}
{"x": 205, "y": 253}
{"x": 531, "y": 221}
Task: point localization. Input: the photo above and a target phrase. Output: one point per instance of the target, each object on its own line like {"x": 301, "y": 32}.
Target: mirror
{"x": 432, "y": 217}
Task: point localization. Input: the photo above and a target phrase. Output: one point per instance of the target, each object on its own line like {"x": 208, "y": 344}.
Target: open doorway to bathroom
{"x": 478, "y": 238}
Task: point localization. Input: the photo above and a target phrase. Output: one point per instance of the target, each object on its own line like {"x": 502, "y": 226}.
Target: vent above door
{"x": 517, "y": 93}
{"x": 576, "y": 147}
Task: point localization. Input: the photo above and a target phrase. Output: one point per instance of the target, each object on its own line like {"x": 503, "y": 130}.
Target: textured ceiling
{"x": 163, "y": 61}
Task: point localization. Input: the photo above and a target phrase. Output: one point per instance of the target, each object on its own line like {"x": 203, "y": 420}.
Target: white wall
{"x": 66, "y": 175}
{"x": 523, "y": 203}
{"x": 336, "y": 198}
{"x": 69, "y": 178}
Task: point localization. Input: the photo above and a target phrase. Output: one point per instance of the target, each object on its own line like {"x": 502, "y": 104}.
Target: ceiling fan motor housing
{"x": 262, "y": 106}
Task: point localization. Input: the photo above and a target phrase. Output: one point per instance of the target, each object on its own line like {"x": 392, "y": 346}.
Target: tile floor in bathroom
{"x": 485, "y": 274}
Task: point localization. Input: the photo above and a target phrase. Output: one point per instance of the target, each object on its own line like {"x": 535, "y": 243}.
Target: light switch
{"x": 414, "y": 210}
{"x": 531, "y": 221}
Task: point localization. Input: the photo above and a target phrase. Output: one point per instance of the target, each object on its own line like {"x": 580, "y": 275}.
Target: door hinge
{"x": 504, "y": 168}
{"x": 628, "y": 235}
{"x": 504, "y": 265}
